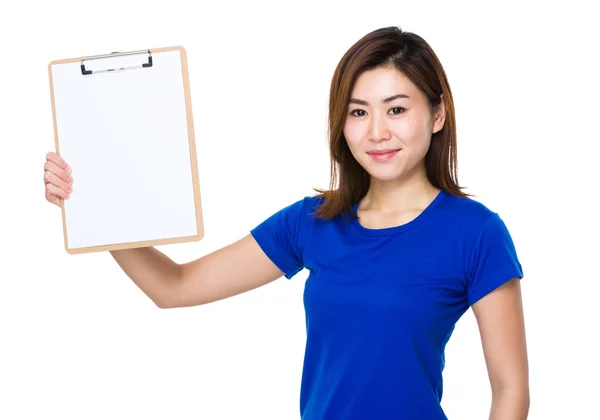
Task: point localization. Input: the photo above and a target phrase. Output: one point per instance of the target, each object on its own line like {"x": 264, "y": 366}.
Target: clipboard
{"x": 123, "y": 122}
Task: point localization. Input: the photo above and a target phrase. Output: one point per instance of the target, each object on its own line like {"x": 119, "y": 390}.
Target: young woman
{"x": 397, "y": 253}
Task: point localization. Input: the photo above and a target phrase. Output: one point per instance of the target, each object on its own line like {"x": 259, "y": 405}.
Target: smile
{"x": 380, "y": 156}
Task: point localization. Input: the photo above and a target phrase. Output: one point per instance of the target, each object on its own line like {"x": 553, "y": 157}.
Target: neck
{"x": 399, "y": 195}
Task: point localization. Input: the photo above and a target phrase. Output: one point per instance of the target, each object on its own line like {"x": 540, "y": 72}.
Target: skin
{"x": 399, "y": 187}
{"x": 399, "y": 191}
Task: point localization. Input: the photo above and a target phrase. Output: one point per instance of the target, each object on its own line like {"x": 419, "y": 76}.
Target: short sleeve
{"x": 494, "y": 260}
{"x": 282, "y": 237}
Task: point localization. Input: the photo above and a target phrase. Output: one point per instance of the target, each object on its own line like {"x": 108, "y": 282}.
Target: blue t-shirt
{"x": 381, "y": 304}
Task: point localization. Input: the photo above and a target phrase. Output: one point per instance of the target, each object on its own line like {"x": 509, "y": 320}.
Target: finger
{"x": 53, "y": 192}
{"x": 54, "y": 199}
{"x": 51, "y": 178}
{"x": 56, "y": 170}
{"x": 58, "y": 160}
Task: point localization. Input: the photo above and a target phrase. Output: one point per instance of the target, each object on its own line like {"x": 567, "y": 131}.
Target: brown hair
{"x": 411, "y": 55}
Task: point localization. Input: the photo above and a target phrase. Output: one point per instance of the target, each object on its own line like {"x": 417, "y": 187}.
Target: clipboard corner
{"x": 181, "y": 50}
{"x": 53, "y": 63}
{"x": 70, "y": 251}
{"x": 201, "y": 232}
{"x": 50, "y": 64}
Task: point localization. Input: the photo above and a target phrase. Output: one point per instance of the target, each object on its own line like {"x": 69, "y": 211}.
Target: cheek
{"x": 410, "y": 129}
{"x": 353, "y": 140}
{"x": 413, "y": 132}
{"x": 352, "y": 133}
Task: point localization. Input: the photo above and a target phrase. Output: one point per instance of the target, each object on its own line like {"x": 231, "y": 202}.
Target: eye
{"x": 354, "y": 112}
{"x": 398, "y": 110}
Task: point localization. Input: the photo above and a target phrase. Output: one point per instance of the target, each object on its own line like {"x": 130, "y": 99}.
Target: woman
{"x": 397, "y": 253}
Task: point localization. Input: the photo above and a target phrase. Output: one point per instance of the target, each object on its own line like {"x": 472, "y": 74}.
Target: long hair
{"x": 411, "y": 55}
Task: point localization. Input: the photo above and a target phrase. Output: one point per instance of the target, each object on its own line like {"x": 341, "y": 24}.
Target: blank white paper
{"x": 125, "y": 135}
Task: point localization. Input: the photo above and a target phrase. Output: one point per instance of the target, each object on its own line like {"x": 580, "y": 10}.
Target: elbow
{"x": 516, "y": 389}
{"x": 162, "y": 302}
{"x": 162, "y": 305}
{"x": 521, "y": 397}
{"x": 166, "y": 303}
{"x": 514, "y": 396}
{"x": 168, "y": 298}
{"x": 526, "y": 399}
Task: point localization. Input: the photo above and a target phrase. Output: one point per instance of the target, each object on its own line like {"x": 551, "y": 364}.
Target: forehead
{"x": 382, "y": 82}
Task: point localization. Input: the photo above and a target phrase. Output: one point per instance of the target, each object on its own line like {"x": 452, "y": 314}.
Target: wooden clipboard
{"x": 123, "y": 122}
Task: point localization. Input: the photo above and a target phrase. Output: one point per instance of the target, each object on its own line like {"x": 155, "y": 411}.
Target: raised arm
{"x": 231, "y": 270}
{"x": 234, "y": 269}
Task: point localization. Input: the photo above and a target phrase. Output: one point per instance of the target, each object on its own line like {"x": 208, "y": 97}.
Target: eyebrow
{"x": 386, "y": 100}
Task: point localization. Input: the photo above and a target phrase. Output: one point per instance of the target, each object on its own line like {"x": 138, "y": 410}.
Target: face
{"x": 389, "y": 125}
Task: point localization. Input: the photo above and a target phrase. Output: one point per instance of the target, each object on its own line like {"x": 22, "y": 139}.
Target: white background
{"x": 80, "y": 341}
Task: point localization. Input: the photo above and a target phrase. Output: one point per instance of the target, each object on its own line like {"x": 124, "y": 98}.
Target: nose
{"x": 378, "y": 129}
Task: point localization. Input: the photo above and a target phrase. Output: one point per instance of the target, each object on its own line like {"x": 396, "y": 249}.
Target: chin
{"x": 386, "y": 175}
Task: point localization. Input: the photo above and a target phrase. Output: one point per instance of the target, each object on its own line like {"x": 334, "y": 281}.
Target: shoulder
{"x": 479, "y": 226}
{"x": 295, "y": 217}
{"x": 303, "y": 208}
{"x": 468, "y": 213}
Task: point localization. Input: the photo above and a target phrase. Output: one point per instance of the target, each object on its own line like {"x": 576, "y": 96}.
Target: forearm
{"x": 151, "y": 270}
{"x": 510, "y": 405}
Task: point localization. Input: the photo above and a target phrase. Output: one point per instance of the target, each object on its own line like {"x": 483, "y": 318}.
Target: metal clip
{"x": 116, "y": 54}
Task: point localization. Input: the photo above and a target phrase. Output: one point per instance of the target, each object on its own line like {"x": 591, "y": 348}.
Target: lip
{"x": 382, "y": 151}
{"x": 383, "y": 154}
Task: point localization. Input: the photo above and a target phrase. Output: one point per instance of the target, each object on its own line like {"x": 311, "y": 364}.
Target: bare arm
{"x": 501, "y": 324}
{"x": 236, "y": 268}
{"x": 231, "y": 270}
{"x": 151, "y": 270}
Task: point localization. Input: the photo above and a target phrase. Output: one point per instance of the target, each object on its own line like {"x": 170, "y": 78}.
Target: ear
{"x": 440, "y": 115}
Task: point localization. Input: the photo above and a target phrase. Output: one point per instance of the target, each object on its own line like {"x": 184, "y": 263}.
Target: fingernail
{"x": 68, "y": 188}
{"x": 68, "y": 169}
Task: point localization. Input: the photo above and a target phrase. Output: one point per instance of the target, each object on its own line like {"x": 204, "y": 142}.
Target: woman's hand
{"x": 58, "y": 178}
